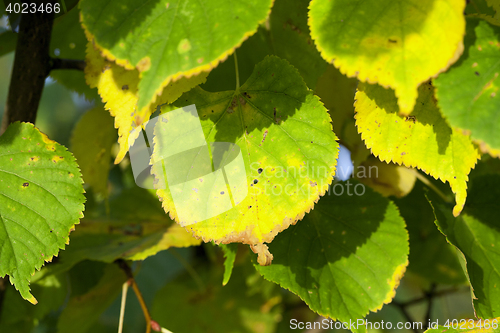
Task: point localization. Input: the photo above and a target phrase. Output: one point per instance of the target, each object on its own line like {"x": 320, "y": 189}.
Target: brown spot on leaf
{"x": 144, "y": 64}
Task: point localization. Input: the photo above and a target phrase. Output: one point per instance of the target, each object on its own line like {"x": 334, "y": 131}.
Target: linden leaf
{"x": 91, "y": 145}
{"x": 468, "y": 93}
{"x": 166, "y": 40}
{"x": 118, "y": 89}
{"x": 397, "y": 44}
{"x": 41, "y": 200}
{"x": 331, "y": 259}
{"x": 423, "y": 139}
{"x": 285, "y": 138}
{"x": 431, "y": 256}
{"x": 476, "y": 234}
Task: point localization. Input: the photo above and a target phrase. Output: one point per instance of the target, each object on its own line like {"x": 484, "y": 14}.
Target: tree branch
{"x": 58, "y": 63}
{"x": 31, "y": 67}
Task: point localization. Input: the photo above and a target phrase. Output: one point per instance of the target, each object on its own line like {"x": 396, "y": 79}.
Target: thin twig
{"x": 122, "y": 306}
{"x": 58, "y": 63}
{"x": 237, "y": 71}
{"x": 131, "y": 281}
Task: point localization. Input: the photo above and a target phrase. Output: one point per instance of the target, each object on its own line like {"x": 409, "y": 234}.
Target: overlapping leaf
{"x": 291, "y": 39}
{"x": 118, "y": 88}
{"x": 477, "y": 235}
{"x": 397, "y": 44}
{"x": 183, "y": 308}
{"x": 41, "y": 200}
{"x": 91, "y": 143}
{"x": 286, "y": 142}
{"x": 135, "y": 229}
{"x": 423, "y": 139}
{"x": 468, "y": 93}
{"x": 431, "y": 256}
{"x": 166, "y": 40}
{"x": 332, "y": 259}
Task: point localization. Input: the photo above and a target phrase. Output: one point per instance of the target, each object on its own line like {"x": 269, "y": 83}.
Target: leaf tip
{"x": 265, "y": 257}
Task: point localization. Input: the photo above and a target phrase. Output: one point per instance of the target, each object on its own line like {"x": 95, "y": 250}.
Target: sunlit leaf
{"x": 397, "y": 44}
{"x": 118, "y": 89}
{"x": 229, "y": 255}
{"x": 468, "y": 93}
{"x": 166, "y": 40}
{"x": 287, "y": 145}
{"x": 41, "y": 200}
{"x": 423, "y": 140}
{"x": 331, "y": 259}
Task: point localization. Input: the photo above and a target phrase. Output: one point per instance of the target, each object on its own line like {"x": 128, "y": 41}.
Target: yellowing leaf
{"x": 287, "y": 146}
{"x": 398, "y": 44}
{"x": 118, "y": 88}
{"x": 423, "y": 139}
{"x": 91, "y": 144}
{"x": 174, "y": 236}
{"x": 166, "y": 40}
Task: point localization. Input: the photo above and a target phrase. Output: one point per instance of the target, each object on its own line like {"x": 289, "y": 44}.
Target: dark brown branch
{"x": 3, "y": 287}
{"x": 31, "y": 67}
{"x": 58, "y": 63}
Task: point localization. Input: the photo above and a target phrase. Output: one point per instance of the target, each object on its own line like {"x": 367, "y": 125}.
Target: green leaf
{"x": 431, "y": 256}
{"x": 468, "y": 93}
{"x": 397, "y": 44}
{"x": 333, "y": 258}
{"x": 423, "y": 139}
{"x": 230, "y": 255}
{"x": 91, "y": 143}
{"x": 117, "y": 87}
{"x": 83, "y": 310}
{"x": 182, "y": 308}
{"x": 20, "y": 316}
{"x": 165, "y": 40}
{"x": 287, "y": 145}
{"x": 135, "y": 229}
{"x": 41, "y": 200}
{"x": 8, "y": 41}
{"x": 291, "y": 39}
{"x": 476, "y": 233}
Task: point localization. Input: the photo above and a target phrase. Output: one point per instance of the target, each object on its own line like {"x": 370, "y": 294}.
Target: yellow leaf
{"x": 398, "y": 44}
{"x": 174, "y": 236}
{"x": 118, "y": 88}
{"x": 423, "y": 139}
